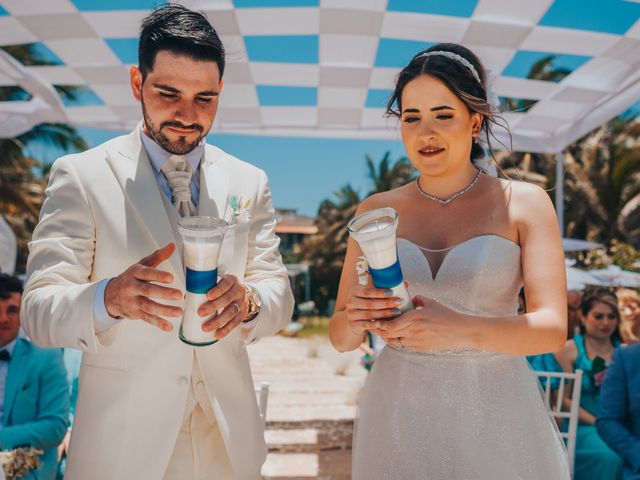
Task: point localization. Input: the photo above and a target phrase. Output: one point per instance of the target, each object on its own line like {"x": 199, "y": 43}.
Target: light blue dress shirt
{"x": 4, "y": 370}
{"x": 157, "y": 156}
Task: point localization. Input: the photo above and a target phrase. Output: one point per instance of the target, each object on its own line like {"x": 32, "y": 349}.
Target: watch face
{"x": 254, "y": 303}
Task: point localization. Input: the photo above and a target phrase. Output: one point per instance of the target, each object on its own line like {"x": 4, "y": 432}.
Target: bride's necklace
{"x": 447, "y": 201}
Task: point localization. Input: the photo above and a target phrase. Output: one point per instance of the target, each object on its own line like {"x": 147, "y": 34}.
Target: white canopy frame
{"x": 341, "y": 64}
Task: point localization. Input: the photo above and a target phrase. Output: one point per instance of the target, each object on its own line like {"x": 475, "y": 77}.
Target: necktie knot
{"x": 5, "y": 356}
{"x": 178, "y": 174}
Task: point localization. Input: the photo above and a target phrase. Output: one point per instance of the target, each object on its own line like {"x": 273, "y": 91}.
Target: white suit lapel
{"x": 214, "y": 184}
{"x": 133, "y": 170}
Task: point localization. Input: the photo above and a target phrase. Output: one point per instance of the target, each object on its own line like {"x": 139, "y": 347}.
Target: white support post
{"x": 560, "y": 190}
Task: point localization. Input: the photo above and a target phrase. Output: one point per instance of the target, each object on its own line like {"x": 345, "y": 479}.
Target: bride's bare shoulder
{"x": 512, "y": 186}
{"x": 528, "y": 202}
{"x": 524, "y": 192}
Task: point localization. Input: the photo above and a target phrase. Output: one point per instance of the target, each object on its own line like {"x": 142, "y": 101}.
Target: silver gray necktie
{"x": 178, "y": 173}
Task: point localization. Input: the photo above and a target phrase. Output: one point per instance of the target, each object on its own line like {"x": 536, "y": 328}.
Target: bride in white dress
{"x": 451, "y": 397}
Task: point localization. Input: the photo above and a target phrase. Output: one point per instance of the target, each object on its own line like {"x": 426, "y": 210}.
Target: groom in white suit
{"x": 105, "y": 277}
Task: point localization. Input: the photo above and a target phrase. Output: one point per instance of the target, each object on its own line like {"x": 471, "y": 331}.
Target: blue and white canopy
{"x": 326, "y": 67}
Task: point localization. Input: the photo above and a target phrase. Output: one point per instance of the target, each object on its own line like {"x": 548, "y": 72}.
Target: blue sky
{"x": 302, "y": 171}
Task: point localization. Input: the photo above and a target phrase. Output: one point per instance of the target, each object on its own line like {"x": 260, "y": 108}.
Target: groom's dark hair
{"x": 181, "y": 31}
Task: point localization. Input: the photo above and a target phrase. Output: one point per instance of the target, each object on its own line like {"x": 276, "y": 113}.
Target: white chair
{"x": 555, "y": 405}
{"x": 263, "y": 395}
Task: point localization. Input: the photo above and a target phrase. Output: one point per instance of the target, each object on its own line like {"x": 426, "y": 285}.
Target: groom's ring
{"x": 237, "y": 308}
{"x": 400, "y": 343}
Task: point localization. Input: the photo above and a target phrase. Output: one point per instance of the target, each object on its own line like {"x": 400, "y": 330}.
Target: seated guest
{"x": 547, "y": 362}
{"x": 34, "y": 394}
{"x": 591, "y": 351}
{"x": 574, "y": 297}
{"x": 619, "y": 420}
{"x": 522, "y": 302}
{"x": 72, "y": 360}
{"x": 629, "y": 304}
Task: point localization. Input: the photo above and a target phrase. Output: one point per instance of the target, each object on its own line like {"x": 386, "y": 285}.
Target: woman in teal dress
{"x": 72, "y": 360}
{"x": 591, "y": 351}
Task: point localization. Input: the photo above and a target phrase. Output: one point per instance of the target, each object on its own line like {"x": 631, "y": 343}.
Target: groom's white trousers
{"x": 199, "y": 453}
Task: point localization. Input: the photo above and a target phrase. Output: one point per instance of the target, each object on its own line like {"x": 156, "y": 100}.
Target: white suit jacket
{"x": 103, "y": 212}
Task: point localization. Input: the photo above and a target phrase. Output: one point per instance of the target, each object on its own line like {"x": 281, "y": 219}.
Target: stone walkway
{"x": 312, "y": 403}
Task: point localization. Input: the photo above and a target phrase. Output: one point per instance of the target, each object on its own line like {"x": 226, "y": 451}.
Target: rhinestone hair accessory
{"x": 457, "y": 58}
{"x": 492, "y": 96}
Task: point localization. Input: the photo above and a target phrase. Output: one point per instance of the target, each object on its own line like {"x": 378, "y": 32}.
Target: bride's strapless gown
{"x": 458, "y": 415}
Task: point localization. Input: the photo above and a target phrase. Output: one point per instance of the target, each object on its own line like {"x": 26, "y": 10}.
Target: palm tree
{"x": 544, "y": 69}
{"x": 602, "y": 173}
{"x": 388, "y": 176}
{"x": 602, "y": 181}
{"x": 325, "y": 252}
{"x": 22, "y": 178}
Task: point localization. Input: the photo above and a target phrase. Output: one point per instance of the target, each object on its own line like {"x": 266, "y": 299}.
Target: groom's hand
{"x": 230, "y": 296}
{"x": 129, "y": 294}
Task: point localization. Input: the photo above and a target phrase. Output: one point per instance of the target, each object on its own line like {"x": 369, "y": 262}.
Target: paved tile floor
{"x": 311, "y": 406}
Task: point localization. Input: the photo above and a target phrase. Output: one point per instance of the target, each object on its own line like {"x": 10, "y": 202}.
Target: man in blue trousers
{"x": 34, "y": 393}
{"x": 619, "y": 420}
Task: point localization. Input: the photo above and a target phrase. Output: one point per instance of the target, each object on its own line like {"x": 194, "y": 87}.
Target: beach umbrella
{"x": 614, "y": 276}
{"x": 576, "y": 245}
{"x": 578, "y": 279}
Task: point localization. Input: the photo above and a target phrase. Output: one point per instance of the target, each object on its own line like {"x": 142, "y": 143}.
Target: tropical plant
{"x": 618, "y": 253}
{"x": 389, "y": 175}
{"x": 22, "y": 177}
{"x": 603, "y": 184}
{"x": 325, "y": 251}
{"x": 545, "y": 69}
{"x": 602, "y": 173}
{"x": 602, "y": 181}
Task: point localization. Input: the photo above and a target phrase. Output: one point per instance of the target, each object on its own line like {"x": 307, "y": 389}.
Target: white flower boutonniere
{"x": 239, "y": 210}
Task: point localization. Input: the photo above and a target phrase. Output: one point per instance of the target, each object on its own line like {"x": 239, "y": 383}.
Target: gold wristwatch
{"x": 254, "y": 302}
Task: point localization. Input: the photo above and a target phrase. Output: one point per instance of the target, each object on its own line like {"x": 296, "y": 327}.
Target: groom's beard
{"x": 180, "y": 147}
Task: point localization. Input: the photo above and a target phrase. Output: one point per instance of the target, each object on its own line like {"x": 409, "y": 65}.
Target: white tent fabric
{"x": 45, "y": 105}
{"x": 576, "y": 245}
{"x": 324, "y": 68}
{"x": 579, "y": 279}
{"x": 615, "y": 276}
{"x": 8, "y": 248}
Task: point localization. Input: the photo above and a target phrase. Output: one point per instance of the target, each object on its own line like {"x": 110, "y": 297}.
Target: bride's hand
{"x": 431, "y": 326}
{"x": 367, "y": 307}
